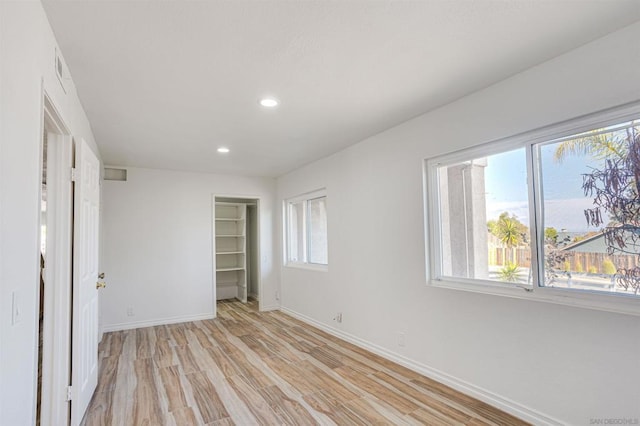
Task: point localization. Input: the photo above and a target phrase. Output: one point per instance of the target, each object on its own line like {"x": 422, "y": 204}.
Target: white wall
{"x": 157, "y": 246}
{"x": 534, "y": 358}
{"x": 27, "y": 48}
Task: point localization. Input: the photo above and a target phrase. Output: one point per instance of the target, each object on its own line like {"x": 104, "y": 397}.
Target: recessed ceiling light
{"x": 269, "y": 102}
{"x": 223, "y": 150}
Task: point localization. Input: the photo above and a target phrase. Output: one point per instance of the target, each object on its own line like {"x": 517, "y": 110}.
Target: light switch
{"x": 16, "y": 313}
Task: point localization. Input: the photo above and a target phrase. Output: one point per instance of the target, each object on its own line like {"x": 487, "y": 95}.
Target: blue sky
{"x": 506, "y": 188}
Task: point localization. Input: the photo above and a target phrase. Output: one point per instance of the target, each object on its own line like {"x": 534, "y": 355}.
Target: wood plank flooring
{"x": 264, "y": 368}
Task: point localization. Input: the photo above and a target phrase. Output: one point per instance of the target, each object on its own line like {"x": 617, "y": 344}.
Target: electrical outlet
{"x": 338, "y": 317}
{"x": 401, "y": 339}
{"x": 130, "y": 312}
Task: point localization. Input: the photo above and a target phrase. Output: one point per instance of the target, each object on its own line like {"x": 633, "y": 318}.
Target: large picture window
{"x": 555, "y": 212}
{"x": 306, "y": 230}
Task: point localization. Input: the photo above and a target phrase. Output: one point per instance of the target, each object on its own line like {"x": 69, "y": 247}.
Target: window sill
{"x": 308, "y": 266}
{"x": 616, "y": 303}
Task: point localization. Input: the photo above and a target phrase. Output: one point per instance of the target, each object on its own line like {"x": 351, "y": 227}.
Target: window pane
{"x": 296, "y": 232}
{"x": 318, "y": 230}
{"x": 592, "y": 210}
{"x": 484, "y": 212}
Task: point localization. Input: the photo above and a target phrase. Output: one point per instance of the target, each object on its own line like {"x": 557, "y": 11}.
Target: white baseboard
{"x": 505, "y": 404}
{"x": 151, "y": 323}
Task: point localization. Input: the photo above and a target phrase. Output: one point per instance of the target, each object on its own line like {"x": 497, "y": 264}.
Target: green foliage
{"x": 509, "y": 230}
{"x": 595, "y": 144}
{"x": 508, "y": 233}
{"x": 510, "y": 272}
{"x": 579, "y": 268}
{"x": 566, "y": 266}
{"x": 608, "y": 267}
{"x": 551, "y": 235}
{"x": 579, "y": 238}
{"x": 491, "y": 226}
{"x": 592, "y": 270}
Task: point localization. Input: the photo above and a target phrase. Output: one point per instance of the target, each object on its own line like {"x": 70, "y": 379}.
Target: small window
{"x": 296, "y": 231}
{"x": 554, "y": 212}
{"x": 306, "y": 230}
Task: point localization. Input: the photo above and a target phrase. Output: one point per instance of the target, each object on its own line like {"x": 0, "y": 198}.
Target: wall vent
{"x": 60, "y": 70}
{"x": 115, "y": 174}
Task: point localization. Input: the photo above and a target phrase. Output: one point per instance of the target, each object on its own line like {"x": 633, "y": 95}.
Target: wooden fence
{"x": 576, "y": 261}
{"x": 594, "y": 262}
{"x": 502, "y": 255}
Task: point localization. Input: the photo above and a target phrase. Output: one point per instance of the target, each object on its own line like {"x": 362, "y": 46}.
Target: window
{"x": 306, "y": 230}
{"x": 554, "y": 212}
{"x": 481, "y": 218}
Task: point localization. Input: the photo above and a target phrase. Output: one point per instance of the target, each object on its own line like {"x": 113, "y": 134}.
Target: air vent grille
{"x": 60, "y": 70}
{"x": 115, "y": 174}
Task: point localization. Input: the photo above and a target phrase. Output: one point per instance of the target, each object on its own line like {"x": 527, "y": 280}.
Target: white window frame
{"x": 286, "y": 208}
{"x": 611, "y": 302}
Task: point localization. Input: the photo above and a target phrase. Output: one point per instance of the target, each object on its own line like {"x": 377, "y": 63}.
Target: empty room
{"x": 342, "y": 212}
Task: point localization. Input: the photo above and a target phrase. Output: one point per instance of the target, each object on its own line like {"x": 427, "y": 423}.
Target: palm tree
{"x": 599, "y": 144}
{"x": 510, "y": 272}
{"x": 613, "y": 148}
{"x": 509, "y": 231}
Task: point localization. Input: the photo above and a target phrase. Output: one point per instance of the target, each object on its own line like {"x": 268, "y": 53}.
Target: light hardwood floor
{"x": 249, "y": 368}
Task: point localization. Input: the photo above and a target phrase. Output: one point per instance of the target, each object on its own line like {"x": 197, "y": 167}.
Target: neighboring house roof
{"x": 593, "y": 244}
{"x": 597, "y": 243}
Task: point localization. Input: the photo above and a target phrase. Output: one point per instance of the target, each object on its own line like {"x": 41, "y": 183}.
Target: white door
{"x": 84, "y": 375}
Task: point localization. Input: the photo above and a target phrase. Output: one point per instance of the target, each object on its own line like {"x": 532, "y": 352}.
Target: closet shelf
{"x": 231, "y": 250}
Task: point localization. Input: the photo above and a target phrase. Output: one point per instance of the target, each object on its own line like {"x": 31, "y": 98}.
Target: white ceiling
{"x": 165, "y": 83}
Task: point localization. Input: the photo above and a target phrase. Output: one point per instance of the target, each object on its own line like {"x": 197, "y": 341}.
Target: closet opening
{"x": 236, "y": 235}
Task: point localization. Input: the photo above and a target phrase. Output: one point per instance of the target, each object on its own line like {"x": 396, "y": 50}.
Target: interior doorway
{"x": 43, "y": 257}
{"x": 236, "y": 260}
{"x": 67, "y": 289}
{"x": 54, "y": 286}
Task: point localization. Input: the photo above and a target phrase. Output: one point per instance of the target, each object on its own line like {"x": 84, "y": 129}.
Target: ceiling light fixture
{"x": 269, "y": 102}
{"x": 223, "y": 150}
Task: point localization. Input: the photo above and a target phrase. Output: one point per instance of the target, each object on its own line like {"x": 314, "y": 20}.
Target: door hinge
{"x": 74, "y": 174}
{"x": 69, "y": 392}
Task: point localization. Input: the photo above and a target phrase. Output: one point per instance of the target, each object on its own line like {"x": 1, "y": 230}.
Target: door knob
{"x": 101, "y": 275}
{"x": 100, "y": 284}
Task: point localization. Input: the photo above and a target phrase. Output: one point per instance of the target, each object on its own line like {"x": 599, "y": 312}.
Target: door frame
{"x": 258, "y": 200}
{"x": 56, "y": 349}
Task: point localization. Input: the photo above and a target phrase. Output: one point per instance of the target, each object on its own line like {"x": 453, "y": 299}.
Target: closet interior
{"x": 236, "y": 249}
